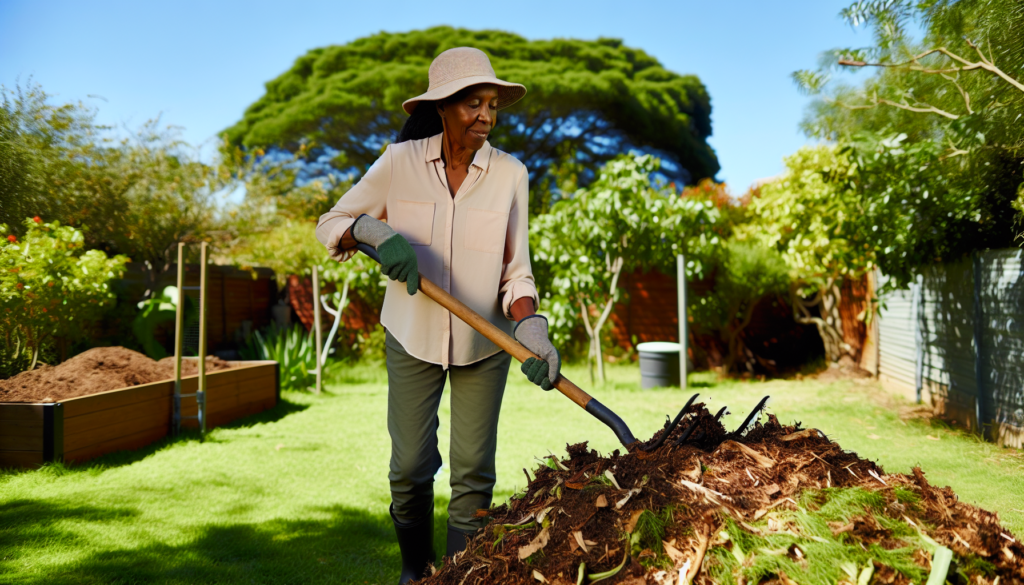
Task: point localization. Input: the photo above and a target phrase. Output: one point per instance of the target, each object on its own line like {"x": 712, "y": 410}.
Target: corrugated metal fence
{"x": 955, "y": 339}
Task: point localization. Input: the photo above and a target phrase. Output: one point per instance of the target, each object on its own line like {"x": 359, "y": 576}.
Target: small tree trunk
{"x": 615, "y": 268}
{"x": 591, "y": 353}
{"x": 829, "y": 321}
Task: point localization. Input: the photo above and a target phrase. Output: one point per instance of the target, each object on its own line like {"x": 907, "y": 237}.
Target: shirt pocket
{"x": 414, "y": 220}
{"x": 485, "y": 230}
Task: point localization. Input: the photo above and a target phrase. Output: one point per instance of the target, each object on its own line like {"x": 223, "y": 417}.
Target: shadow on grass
{"x": 331, "y": 544}
{"x": 34, "y": 523}
{"x": 282, "y": 409}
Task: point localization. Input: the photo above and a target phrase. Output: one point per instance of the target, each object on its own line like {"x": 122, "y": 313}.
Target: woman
{"x": 456, "y": 210}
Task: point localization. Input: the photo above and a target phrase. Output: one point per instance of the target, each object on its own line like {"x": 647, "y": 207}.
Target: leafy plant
{"x": 813, "y": 216}
{"x": 621, "y": 222}
{"x": 156, "y": 311}
{"x": 937, "y": 130}
{"x": 749, "y": 273}
{"x": 51, "y": 290}
{"x": 138, "y": 196}
{"x": 293, "y": 348}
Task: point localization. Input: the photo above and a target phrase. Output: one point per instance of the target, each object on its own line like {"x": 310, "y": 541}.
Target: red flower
{"x": 20, "y": 286}
{"x": 37, "y": 219}
{"x": 44, "y": 309}
{"x": 12, "y": 238}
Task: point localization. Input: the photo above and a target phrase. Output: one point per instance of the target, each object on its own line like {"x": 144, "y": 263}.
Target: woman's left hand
{"x": 532, "y": 333}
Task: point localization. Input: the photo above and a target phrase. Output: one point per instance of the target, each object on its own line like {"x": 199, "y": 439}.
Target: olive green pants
{"x": 414, "y": 394}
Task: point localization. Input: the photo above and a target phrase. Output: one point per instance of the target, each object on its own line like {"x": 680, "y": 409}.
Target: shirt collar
{"x": 481, "y": 159}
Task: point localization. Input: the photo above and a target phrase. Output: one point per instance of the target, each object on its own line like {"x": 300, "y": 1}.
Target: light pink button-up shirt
{"x": 474, "y": 246}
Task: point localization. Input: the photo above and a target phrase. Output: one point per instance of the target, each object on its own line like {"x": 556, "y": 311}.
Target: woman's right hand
{"x": 397, "y": 258}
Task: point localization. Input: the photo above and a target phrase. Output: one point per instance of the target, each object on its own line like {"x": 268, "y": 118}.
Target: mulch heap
{"x": 97, "y": 370}
{"x": 780, "y": 505}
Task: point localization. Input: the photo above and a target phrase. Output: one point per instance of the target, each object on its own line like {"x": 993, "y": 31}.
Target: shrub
{"x": 51, "y": 291}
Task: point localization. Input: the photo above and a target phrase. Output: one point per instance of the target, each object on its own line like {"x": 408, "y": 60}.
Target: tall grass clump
{"x": 291, "y": 347}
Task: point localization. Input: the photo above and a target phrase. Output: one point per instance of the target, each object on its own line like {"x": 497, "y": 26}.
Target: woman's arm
{"x": 517, "y": 288}
{"x": 347, "y": 242}
{"x": 522, "y": 308}
{"x": 368, "y": 196}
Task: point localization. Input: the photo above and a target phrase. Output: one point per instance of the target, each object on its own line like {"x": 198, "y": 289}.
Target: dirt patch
{"x": 780, "y": 504}
{"x": 843, "y": 371}
{"x": 96, "y": 370}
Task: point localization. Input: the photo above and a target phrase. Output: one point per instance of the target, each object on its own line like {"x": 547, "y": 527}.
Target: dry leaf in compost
{"x": 538, "y": 576}
{"x": 608, "y": 474}
{"x": 741, "y": 448}
{"x": 538, "y": 542}
{"x": 709, "y": 493}
{"x": 629, "y": 494}
{"x": 543, "y": 514}
{"x": 632, "y": 521}
{"x": 804, "y": 434}
{"x": 674, "y": 553}
{"x": 582, "y": 542}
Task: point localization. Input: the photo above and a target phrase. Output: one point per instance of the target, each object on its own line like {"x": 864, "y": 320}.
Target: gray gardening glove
{"x": 532, "y": 333}
{"x": 397, "y": 258}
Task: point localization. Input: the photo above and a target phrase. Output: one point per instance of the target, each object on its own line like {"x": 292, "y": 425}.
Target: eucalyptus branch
{"x": 913, "y": 64}
{"x": 963, "y": 92}
{"x": 954, "y": 150}
{"x": 882, "y": 101}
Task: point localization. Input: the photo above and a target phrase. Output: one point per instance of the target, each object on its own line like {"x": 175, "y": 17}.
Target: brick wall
{"x": 652, "y": 315}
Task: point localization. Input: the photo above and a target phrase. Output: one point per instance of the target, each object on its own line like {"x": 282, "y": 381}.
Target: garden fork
{"x": 516, "y": 350}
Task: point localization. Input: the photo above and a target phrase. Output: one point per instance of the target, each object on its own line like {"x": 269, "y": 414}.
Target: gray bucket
{"x": 659, "y": 364}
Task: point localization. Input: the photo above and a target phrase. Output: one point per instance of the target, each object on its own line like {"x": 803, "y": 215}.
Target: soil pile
{"x": 97, "y": 370}
{"x": 780, "y": 504}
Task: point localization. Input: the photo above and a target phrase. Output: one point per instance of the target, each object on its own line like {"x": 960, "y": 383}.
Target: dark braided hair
{"x": 425, "y": 121}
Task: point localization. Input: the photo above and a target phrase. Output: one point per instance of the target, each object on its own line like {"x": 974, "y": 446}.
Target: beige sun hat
{"x": 459, "y": 68}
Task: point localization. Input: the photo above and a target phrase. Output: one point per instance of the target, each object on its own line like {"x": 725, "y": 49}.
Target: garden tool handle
{"x": 516, "y": 350}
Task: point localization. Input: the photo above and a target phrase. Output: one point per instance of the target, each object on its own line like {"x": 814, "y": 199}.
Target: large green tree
{"x": 588, "y": 101}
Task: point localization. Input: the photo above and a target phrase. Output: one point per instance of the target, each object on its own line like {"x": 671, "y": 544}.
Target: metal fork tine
{"x": 686, "y": 434}
{"x": 674, "y": 424}
{"x": 753, "y": 414}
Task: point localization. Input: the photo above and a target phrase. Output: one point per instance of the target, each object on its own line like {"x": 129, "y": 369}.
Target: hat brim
{"x": 508, "y": 93}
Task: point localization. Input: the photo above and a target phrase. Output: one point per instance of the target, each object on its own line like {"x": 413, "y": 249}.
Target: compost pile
{"x": 97, "y": 370}
{"x": 779, "y": 504}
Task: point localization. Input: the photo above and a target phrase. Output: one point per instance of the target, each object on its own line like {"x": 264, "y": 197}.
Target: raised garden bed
{"x": 82, "y": 428}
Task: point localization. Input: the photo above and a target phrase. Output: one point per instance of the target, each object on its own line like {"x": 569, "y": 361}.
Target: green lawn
{"x": 299, "y": 494}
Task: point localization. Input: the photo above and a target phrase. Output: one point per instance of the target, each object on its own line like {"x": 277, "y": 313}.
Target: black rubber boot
{"x": 457, "y": 540}
{"x": 416, "y": 541}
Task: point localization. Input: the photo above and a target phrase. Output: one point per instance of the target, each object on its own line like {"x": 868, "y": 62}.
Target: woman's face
{"x": 471, "y": 117}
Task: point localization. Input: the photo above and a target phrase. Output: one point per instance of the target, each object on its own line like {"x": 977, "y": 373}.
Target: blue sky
{"x": 199, "y": 64}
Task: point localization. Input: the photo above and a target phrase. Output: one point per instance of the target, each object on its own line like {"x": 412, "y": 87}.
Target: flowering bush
{"x": 52, "y": 291}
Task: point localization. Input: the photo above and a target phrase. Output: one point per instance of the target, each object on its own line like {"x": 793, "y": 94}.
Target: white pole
{"x": 681, "y": 289}
{"x": 316, "y": 328}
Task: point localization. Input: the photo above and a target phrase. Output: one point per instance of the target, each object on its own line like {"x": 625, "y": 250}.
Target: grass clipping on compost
{"x": 780, "y": 504}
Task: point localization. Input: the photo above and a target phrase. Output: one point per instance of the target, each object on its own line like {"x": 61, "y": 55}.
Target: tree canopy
{"x": 937, "y": 134}
{"x": 588, "y": 101}
{"x": 621, "y": 222}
